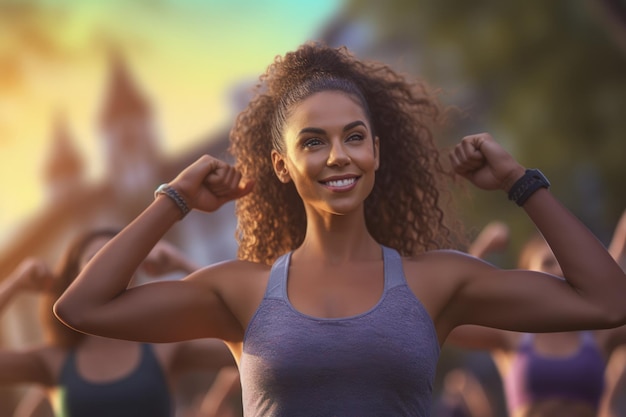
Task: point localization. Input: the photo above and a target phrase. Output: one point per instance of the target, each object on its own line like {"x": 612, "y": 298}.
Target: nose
{"x": 338, "y": 156}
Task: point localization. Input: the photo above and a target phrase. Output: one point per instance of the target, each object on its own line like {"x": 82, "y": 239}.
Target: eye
{"x": 311, "y": 142}
{"x": 355, "y": 136}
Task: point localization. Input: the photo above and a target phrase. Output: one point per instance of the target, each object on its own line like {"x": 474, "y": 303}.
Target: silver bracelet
{"x": 167, "y": 190}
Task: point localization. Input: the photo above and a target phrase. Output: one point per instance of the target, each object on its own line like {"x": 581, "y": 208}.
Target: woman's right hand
{"x": 209, "y": 183}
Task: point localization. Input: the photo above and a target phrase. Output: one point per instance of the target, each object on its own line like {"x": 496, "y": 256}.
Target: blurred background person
{"x": 143, "y": 112}
{"x": 222, "y": 399}
{"x": 614, "y": 401}
{"x": 546, "y": 374}
{"x": 462, "y": 395}
{"x": 95, "y": 376}
{"x": 462, "y": 392}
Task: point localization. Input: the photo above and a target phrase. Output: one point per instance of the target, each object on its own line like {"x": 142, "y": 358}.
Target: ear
{"x": 377, "y": 151}
{"x": 280, "y": 166}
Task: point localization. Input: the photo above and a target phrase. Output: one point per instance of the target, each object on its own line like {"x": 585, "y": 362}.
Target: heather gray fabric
{"x": 379, "y": 363}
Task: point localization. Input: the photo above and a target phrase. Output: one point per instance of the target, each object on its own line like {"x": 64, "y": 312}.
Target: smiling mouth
{"x": 345, "y": 182}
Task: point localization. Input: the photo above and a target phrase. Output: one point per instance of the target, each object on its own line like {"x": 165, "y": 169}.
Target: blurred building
{"x": 134, "y": 165}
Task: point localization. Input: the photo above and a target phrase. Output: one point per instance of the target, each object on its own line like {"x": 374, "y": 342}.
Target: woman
{"x": 322, "y": 313}
{"x": 96, "y": 376}
{"x": 544, "y": 374}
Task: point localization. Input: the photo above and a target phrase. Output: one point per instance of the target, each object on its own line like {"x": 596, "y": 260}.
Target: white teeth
{"x": 341, "y": 183}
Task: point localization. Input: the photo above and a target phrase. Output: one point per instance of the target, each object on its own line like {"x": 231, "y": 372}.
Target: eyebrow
{"x": 318, "y": 131}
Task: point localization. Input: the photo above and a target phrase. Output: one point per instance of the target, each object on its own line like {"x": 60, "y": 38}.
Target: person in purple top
{"x": 544, "y": 374}
{"x": 346, "y": 285}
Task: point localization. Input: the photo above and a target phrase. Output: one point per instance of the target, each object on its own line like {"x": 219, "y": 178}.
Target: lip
{"x": 340, "y": 183}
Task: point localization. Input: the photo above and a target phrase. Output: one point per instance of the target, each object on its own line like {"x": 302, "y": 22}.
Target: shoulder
{"x": 230, "y": 273}
{"x": 443, "y": 264}
{"x": 436, "y": 276}
{"x": 240, "y": 285}
{"x": 235, "y": 268}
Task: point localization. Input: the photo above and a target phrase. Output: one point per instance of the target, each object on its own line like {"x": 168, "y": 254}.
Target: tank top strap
{"x": 278, "y": 277}
{"x": 394, "y": 272}
{"x": 148, "y": 354}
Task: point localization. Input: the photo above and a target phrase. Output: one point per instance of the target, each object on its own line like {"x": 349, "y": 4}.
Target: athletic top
{"x": 533, "y": 377}
{"x": 144, "y": 392}
{"x": 378, "y": 363}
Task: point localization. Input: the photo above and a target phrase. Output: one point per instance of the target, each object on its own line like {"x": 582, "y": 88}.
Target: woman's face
{"x": 331, "y": 155}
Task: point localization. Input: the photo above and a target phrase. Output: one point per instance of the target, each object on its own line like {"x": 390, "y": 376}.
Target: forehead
{"x": 325, "y": 110}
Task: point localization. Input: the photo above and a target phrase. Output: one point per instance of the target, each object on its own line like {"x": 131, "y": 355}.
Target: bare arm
{"x": 216, "y": 401}
{"x": 469, "y": 336}
{"x": 21, "y": 366}
{"x": 34, "y": 403}
{"x": 165, "y": 258}
{"x": 617, "y": 248}
{"x": 24, "y": 366}
{"x": 494, "y": 237}
{"x": 99, "y": 302}
{"x": 591, "y": 296}
{"x": 201, "y": 354}
{"x": 31, "y": 274}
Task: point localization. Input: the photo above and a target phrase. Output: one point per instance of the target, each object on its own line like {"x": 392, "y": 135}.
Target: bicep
{"x": 166, "y": 311}
{"x": 521, "y": 300}
{"x": 469, "y": 336}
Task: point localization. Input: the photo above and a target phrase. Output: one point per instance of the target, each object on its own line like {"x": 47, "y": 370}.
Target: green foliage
{"x": 546, "y": 77}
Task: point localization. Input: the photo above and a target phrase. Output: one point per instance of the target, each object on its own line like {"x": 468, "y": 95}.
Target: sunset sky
{"x": 185, "y": 55}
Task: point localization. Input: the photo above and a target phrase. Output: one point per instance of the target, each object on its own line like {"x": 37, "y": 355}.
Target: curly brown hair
{"x": 403, "y": 210}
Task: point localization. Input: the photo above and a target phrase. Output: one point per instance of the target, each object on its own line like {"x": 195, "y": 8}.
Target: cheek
{"x": 307, "y": 165}
{"x": 367, "y": 159}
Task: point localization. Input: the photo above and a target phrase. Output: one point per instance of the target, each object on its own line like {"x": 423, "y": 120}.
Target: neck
{"x": 337, "y": 239}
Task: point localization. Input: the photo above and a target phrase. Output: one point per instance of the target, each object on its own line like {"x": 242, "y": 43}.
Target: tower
{"x": 132, "y": 158}
{"x": 63, "y": 169}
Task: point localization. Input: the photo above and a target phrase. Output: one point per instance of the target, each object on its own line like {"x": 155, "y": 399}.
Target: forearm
{"x": 109, "y": 272}
{"x": 186, "y": 265}
{"x": 617, "y": 248}
{"x": 8, "y": 289}
{"x": 586, "y": 264}
{"x": 226, "y": 385}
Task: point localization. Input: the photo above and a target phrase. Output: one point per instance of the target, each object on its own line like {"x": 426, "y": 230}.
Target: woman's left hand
{"x": 485, "y": 163}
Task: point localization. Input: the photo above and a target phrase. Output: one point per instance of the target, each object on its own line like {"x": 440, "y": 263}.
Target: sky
{"x": 186, "y": 56}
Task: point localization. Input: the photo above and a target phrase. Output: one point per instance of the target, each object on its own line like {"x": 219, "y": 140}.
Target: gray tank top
{"x": 378, "y": 363}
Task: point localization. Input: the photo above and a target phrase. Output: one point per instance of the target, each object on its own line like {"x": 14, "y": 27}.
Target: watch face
{"x": 539, "y": 175}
